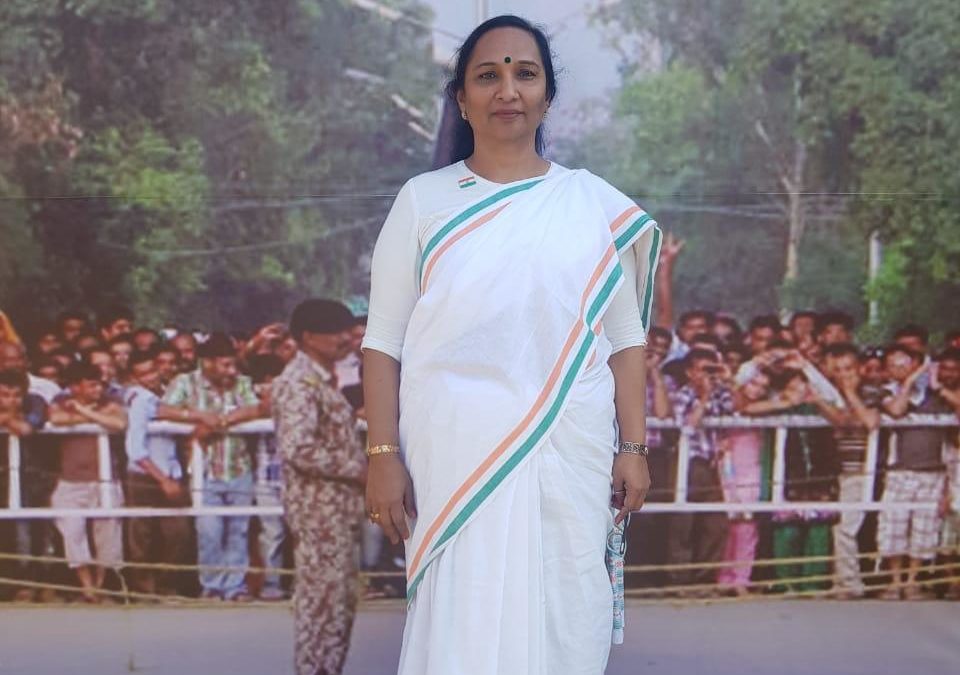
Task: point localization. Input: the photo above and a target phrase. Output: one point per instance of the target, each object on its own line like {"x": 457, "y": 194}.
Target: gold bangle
{"x": 384, "y": 449}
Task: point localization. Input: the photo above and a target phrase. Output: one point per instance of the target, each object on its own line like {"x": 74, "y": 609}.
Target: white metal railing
{"x": 680, "y": 503}
{"x": 15, "y": 509}
{"x": 782, "y": 424}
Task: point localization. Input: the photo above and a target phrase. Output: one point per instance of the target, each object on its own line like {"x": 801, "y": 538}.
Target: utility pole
{"x": 482, "y": 10}
{"x": 876, "y": 259}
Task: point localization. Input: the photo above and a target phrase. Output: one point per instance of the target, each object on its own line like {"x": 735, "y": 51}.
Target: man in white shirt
{"x": 14, "y": 357}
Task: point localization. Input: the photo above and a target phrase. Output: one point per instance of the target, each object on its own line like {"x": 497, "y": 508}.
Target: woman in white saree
{"x": 504, "y": 382}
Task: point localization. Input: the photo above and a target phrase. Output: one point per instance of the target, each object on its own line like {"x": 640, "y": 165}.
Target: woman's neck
{"x": 506, "y": 164}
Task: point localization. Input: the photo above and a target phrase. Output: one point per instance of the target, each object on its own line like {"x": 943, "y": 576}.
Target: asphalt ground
{"x": 796, "y": 637}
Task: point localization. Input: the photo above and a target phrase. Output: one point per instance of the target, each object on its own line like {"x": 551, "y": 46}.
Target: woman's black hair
{"x": 462, "y": 146}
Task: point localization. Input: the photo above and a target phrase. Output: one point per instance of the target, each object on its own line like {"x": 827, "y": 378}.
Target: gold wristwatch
{"x": 634, "y": 448}
{"x": 384, "y": 449}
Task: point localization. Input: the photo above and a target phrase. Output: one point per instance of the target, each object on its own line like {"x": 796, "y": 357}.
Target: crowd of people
{"x": 122, "y": 377}
{"x": 810, "y": 366}
{"x": 709, "y": 365}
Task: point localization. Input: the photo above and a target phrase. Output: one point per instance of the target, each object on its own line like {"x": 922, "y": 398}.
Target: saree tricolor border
{"x": 537, "y": 423}
{"x": 627, "y": 229}
{"x": 465, "y": 222}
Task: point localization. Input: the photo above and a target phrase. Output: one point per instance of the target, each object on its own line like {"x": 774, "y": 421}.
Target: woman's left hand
{"x": 631, "y": 480}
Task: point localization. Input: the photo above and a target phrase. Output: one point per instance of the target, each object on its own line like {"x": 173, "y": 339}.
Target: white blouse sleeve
{"x": 621, "y": 322}
{"x": 394, "y": 283}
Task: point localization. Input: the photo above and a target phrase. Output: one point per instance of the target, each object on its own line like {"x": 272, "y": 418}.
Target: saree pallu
{"x": 507, "y": 424}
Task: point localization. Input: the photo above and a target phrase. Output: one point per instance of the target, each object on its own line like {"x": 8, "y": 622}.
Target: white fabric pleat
{"x": 524, "y": 589}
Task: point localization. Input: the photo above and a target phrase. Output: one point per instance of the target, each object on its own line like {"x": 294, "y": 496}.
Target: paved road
{"x": 781, "y": 638}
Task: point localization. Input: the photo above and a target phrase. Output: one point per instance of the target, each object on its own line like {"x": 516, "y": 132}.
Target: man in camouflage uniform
{"x": 324, "y": 467}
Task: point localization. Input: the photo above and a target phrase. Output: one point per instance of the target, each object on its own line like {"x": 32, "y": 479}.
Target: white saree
{"x": 507, "y": 424}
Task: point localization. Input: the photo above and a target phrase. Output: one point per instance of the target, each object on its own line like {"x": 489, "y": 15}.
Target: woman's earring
{"x": 463, "y": 114}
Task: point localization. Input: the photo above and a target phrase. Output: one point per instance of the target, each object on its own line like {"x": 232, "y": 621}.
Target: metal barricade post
{"x": 13, "y": 464}
{"x": 683, "y": 468}
{"x": 873, "y": 448}
{"x": 196, "y": 473}
{"x": 105, "y": 471}
{"x": 779, "y": 477}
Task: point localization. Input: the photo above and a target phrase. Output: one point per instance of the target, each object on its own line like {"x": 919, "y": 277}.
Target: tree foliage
{"x": 224, "y": 152}
{"x": 777, "y": 136}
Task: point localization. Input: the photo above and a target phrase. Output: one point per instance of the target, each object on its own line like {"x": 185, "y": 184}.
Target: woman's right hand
{"x": 390, "y": 494}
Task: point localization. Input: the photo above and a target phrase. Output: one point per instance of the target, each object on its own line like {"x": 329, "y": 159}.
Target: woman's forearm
{"x": 952, "y": 397}
{"x": 868, "y": 417}
{"x": 381, "y": 397}
{"x": 834, "y": 415}
{"x": 697, "y": 412}
{"x": 629, "y": 368}
{"x": 900, "y": 403}
{"x": 661, "y": 400}
{"x": 61, "y": 417}
{"x": 664, "y": 294}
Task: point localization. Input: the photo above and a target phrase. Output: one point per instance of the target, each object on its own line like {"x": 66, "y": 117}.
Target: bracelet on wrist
{"x": 631, "y": 448}
{"x": 384, "y": 449}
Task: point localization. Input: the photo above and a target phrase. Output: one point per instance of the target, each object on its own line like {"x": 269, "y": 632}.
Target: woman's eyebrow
{"x": 494, "y": 63}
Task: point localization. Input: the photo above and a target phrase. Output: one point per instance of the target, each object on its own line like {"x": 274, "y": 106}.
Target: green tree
{"x": 903, "y": 90}
{"x": 228, "y": 153}
{"x": 778, "y": 140}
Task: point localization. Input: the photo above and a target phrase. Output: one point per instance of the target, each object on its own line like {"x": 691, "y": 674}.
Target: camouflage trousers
{"x": 325, "y": 519}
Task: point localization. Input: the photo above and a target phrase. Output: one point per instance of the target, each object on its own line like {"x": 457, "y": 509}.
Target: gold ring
{"x": 374, "y": 516}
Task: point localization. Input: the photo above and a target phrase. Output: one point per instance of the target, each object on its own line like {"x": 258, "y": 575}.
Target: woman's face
{"x": 899, "y": 366}
{"x": 796, "y": 390}
{"x": 505, "y": 88}
{"x": 871, "y": 371}
{"x": 757, "y": 387}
